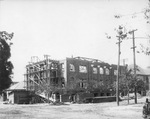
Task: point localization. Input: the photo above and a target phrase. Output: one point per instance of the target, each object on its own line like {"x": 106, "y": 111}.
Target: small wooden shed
{"x": 17, "y": 94}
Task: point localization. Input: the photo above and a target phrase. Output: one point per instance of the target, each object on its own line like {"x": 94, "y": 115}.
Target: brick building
{"x": 81, "y": 72}
{"x": 83, "y": 76}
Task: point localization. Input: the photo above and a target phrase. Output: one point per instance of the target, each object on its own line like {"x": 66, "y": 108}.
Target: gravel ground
{"x": 108, "y": 110}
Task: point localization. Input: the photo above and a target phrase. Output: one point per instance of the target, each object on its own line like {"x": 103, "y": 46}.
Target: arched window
{"x": 101, "y": 71}
{"x": 82, "y": 69}
{"x": 107, "y": 71}
{"x": 72, "y": 68}
{"x": 94, "y": 70}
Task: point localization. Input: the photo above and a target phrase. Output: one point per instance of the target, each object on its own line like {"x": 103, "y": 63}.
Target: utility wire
{"x": 133, "y": 14}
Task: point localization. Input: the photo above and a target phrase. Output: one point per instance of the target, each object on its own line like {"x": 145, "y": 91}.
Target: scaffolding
{"x": 43, "y": 77}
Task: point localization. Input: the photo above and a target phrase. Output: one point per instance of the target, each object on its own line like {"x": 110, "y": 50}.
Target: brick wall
{"x": 76, "y": 76}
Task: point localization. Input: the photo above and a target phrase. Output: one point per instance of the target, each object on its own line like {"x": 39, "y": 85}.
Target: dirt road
{"x": 108, "y": 110}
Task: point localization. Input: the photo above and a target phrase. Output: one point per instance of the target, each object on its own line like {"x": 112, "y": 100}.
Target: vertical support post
{"x": 121, "y": 36}
{"x": 134, "y": 60}
{"x": 60, "y": 98}
{"x": 54, "y": 97}
{"x": 134, "y": 66}
{"x": 47, "y": 88}
{"x": 126, "y": 78}
{"x": 118, "y": 67}
{"x": 134, "y": 63}
{"x": 88, "y": 74}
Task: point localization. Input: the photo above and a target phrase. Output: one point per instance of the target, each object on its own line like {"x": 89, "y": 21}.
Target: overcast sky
{"x": 65, "y": 28}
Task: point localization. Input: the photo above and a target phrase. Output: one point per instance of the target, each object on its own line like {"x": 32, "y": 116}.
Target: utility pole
{"x": 120, "y": 37}
{"x": 118, "y": 67}
{"x": 134, "y": 62}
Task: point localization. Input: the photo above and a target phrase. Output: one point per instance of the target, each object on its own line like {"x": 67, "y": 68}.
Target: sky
{"x": 66, "y": 28}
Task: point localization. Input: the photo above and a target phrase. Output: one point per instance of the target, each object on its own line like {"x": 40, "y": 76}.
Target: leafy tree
{"x": 129, "y": 83}
{"x": 141, "y": 84}
{"x": 5, "y": 65}
{"x": 125, "y": 81}
{"x": 91, "y": 85}
{"x": 146, "y": 49}
{"x": 147, "y": 13}
{"x": 143, "y": 48}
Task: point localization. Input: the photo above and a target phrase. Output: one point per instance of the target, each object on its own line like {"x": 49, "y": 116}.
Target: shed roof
{"x": 17, "y": 86}
{"x": 140, "y": 71}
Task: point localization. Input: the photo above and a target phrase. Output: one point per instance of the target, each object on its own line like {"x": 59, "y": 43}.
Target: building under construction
{"x": 43, "y": 77}
{"x": 79, "y": 77}
{"x": 74, "y": 79}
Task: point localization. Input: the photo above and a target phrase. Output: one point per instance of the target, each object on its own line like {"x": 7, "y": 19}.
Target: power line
{"x": 133, "y": 14}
